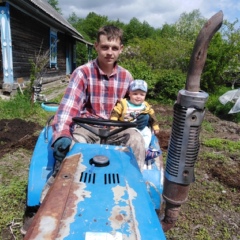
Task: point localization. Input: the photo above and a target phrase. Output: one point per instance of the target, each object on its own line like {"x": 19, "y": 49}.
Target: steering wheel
{"x": 103, "y": 133}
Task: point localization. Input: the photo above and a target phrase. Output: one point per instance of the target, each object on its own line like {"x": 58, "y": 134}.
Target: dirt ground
{"x": 16, "y": 134}
{"x": 19, "y": 134}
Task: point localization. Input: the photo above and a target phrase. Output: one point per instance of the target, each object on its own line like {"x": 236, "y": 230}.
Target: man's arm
{"x": 70, "y": 106}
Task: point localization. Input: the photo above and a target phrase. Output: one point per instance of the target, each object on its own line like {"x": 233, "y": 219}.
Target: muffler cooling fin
{"x": 184, "y": 143}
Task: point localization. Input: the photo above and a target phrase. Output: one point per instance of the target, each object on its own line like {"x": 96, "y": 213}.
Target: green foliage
{"x": 159, "y": 53}
{"x": 149, "y": 51}
{"x": 167, "y": 85}
{"x": 140, "y": 70}
{"x": 137, "y": 29}
{"x": 161, "y": 56}
{"x": 88, "y": 28}
{"x": 222, "y": 63}
{"x": 215, "y": 65}
{"x": 163, "y": 84}
{"x": 168, "y": 31}
{"x": 189, "y": 25}
{"x": 90, "y": 25}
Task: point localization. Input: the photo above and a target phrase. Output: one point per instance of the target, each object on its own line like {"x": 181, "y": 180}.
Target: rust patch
{"x": 119, "y": 217}
{"x": 59, "y": 206}
{"x": 76, "y": 195}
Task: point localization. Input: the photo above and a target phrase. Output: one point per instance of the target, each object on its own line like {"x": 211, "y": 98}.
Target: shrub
{"x": 167, "y": 85}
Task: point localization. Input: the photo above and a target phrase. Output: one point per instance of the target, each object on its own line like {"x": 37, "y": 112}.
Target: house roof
{"x": 43, "y": 10}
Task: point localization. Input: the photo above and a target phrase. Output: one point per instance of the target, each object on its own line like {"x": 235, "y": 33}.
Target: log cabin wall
{"x": 29, "y": 37}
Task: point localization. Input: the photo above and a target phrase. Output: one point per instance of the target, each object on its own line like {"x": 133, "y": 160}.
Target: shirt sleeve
{"x": 70, "y": 106}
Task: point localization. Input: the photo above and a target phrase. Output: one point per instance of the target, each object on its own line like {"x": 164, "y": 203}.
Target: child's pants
{"x": 147, "y": 136}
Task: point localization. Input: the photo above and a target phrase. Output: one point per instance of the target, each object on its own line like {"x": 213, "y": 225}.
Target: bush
{"x": 167, "y": 85}
{"x": 163, "y": 85}
{"x": 141, "y": 70}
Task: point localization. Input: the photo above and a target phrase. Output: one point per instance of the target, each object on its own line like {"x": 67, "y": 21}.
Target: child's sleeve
{"x": 154, "y": 122}
{"x": 116, "y": 112}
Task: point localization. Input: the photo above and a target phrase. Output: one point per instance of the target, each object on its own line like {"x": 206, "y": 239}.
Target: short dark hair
{"x": 112, "y": 32}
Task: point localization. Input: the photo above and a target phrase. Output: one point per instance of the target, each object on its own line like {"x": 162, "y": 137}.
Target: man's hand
{"x": 61, "y": 147}
{"x": 142, "y": 121}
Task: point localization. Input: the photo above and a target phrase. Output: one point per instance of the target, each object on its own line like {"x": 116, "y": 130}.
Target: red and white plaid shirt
{"x": 90, "y": 93}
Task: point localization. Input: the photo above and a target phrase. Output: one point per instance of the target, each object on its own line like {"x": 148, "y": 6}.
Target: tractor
{"x": 100, "y": 192}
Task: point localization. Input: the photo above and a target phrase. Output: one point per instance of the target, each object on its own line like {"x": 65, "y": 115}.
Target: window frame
{"x": 53, "y": 48}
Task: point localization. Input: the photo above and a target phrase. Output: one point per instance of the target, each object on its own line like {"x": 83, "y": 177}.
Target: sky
{"x": 154, "y": 12}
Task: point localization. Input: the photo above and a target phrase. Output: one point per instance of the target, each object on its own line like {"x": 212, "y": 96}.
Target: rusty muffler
{"x": 189, "y": 111}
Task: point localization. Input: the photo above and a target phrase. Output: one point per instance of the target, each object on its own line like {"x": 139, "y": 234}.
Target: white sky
{"x": 155, "y": 12}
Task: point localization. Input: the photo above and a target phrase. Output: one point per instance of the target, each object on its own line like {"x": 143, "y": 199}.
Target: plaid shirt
{"x": 90, "y": 93}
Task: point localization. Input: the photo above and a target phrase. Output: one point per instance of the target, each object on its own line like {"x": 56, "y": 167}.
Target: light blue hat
{"x": 138, "y": 84}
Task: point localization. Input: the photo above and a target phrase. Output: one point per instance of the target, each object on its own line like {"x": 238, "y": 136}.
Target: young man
{"x": 93, "y": 91}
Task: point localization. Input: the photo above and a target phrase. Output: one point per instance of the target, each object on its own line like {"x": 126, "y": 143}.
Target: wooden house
{"x": 33, "y": 31}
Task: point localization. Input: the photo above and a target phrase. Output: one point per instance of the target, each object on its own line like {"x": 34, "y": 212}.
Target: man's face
{"x": 137, "y": 97}
{"x": 108, "y": 51}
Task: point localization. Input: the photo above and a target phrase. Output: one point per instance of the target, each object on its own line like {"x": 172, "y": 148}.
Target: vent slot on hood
{"x": 87, "y": 177}
{"x": 109, "y": 178}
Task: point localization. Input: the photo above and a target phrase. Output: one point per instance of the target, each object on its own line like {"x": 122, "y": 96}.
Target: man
{"x": 93, "y": 91}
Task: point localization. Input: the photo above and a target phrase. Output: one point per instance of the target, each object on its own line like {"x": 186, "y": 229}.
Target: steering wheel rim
{"x": 104, "y": 122}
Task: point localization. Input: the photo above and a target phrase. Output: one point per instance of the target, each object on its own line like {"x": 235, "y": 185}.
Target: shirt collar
{"x": 114, "y": 72}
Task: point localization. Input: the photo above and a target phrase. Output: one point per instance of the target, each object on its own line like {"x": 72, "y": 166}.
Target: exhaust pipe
{"x": 189, "y": 112}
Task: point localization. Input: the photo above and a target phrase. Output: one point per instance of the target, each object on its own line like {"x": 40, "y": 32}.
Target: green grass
{"x": 222, "y": 144}
{"x": 207, "y": 126}
{"x": 20, "y": 106}
{"x": 11, "y": 195}
{"x": 13, "y": 183}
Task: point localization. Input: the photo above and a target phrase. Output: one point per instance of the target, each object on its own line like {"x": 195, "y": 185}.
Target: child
{"x": 128, "y": 109}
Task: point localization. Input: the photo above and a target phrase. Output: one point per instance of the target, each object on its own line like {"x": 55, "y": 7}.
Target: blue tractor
{"x": 100, "y": 192}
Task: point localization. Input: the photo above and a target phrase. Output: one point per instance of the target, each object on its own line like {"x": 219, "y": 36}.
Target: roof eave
{"x": 45, "y": 17}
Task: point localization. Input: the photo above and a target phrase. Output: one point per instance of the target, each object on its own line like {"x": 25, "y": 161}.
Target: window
{"x": 53, "y": 49}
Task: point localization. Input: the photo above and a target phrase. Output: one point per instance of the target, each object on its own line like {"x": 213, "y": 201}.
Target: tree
{"x": 158, "y": 54}
{"x": 189, "y": 25}
{"x": 222, "y": 64}
{"x": 136, "y": 29}
{"x": 168, "y": 31}
{"x": 54, "y": 4}
{"x": 92, "y": 23}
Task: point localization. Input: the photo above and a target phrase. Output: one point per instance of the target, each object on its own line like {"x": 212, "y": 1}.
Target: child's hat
{"x": 138, "y": 85}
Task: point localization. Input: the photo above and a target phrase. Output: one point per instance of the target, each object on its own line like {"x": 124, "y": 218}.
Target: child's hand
{"x": 156, "y": 132}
